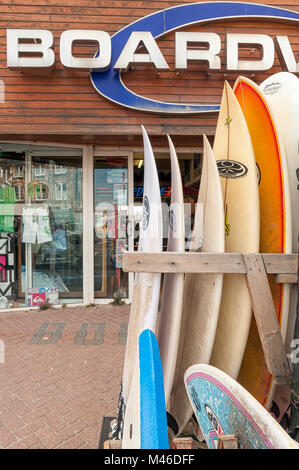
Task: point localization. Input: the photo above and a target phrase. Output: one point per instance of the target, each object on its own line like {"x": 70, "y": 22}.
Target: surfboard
{"x": 275, "y": 216}
{"x": 224, "y": 407}
{"x": 173, "y": 284}
{"x": 236, "y": 165}
{"x": 282, "y": 91}
{"x": 153, "y": 421}
{"x": 202, "y": 293}
{"x": 144, "y": 307}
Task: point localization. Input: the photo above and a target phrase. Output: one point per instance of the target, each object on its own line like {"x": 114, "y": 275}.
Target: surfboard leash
{"x": 172, "y": 424}
{"x": 117, "y": 430}
{"x": 226, "y": 224}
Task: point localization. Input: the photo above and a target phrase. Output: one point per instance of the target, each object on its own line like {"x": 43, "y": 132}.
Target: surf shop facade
{"x": 78, "y": 79}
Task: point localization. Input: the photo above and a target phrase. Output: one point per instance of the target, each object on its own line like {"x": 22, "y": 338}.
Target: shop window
{"x": 41, "y": 229}
{"x": 190, "y": 166}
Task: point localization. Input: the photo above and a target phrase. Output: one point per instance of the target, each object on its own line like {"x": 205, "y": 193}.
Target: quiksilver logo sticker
{"x": 272, "y": 88}
{"x": 145, "y": 213}
{"x": 231, "y": 169}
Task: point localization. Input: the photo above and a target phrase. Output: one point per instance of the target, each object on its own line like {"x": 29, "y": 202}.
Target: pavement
{"x": 60, "y": 374}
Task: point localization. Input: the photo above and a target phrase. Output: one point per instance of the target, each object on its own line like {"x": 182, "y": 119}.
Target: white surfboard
{"x": 173, "y": 285}
{"x": 202, "y": 293}
{"x": 236, "y": 165}
{"x": 282, "y": 91}
{"x": 145, "y": 301}
{"x": 223, "y": 407}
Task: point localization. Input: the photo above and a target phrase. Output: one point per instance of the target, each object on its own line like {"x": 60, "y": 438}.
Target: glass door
{"x": 52, "y": 224}
{"x": 110, "y": 226}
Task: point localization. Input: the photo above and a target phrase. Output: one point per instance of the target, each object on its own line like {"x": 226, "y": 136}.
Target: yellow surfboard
{"x": 275, "y": 228}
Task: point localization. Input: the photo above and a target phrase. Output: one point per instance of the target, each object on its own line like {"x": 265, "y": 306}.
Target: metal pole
{"x": 28, "y": 246}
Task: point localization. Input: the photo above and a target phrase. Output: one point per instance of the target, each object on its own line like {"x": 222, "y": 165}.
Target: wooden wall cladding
{"x": 63, "y": 101}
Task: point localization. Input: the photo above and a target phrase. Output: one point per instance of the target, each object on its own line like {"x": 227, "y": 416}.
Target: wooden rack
{"x": 256, "y": 267}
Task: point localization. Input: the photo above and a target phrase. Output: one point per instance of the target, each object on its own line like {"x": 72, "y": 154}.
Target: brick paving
{"x": 56, "y": 385}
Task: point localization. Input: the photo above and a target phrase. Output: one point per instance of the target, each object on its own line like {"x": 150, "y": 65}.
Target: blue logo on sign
{"x": 110, "y": 85}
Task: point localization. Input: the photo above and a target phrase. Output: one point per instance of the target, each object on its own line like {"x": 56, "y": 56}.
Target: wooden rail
{"x": 284, "y": 265}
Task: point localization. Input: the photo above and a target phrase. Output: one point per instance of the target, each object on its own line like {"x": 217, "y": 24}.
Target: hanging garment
{"x": 36, "y": 225}
{"x": 44, "y": 233}
{"x": 59, "y": 237}
{"x": 7, "y": 208}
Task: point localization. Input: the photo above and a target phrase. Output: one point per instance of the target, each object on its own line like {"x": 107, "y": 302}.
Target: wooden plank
{"x": 266, "y": 319}
{"x": 281, "y": 263}
{"x": 112, "y": 444}
{"x": 182, "y": 443}
{"x": 168, "y": 262}
{"x": 286, "y": 278}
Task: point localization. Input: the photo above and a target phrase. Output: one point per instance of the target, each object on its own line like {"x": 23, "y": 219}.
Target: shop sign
{"x": 33, "y": 48}
{"x": 40, "y": 295}
{"x": 110, "y": 85}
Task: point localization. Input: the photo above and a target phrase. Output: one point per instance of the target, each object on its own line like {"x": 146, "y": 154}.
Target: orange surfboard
{"x": 275, "y": 230}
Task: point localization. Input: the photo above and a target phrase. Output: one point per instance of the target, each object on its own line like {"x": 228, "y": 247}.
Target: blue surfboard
{"x": 153, "y": 420}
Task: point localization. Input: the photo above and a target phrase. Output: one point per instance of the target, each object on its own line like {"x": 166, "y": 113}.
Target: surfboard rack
{"x": 256, "y": 267}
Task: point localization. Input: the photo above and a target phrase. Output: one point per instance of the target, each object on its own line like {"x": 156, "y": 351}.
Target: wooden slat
{"x": 182, "y": 443}
{"x": 112, "y": 444}
{"x": 286, "y": 278}
{"x": 266, "y": 319}
{"x": 168, "y": 262}
{"x": 281, "y": 263}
